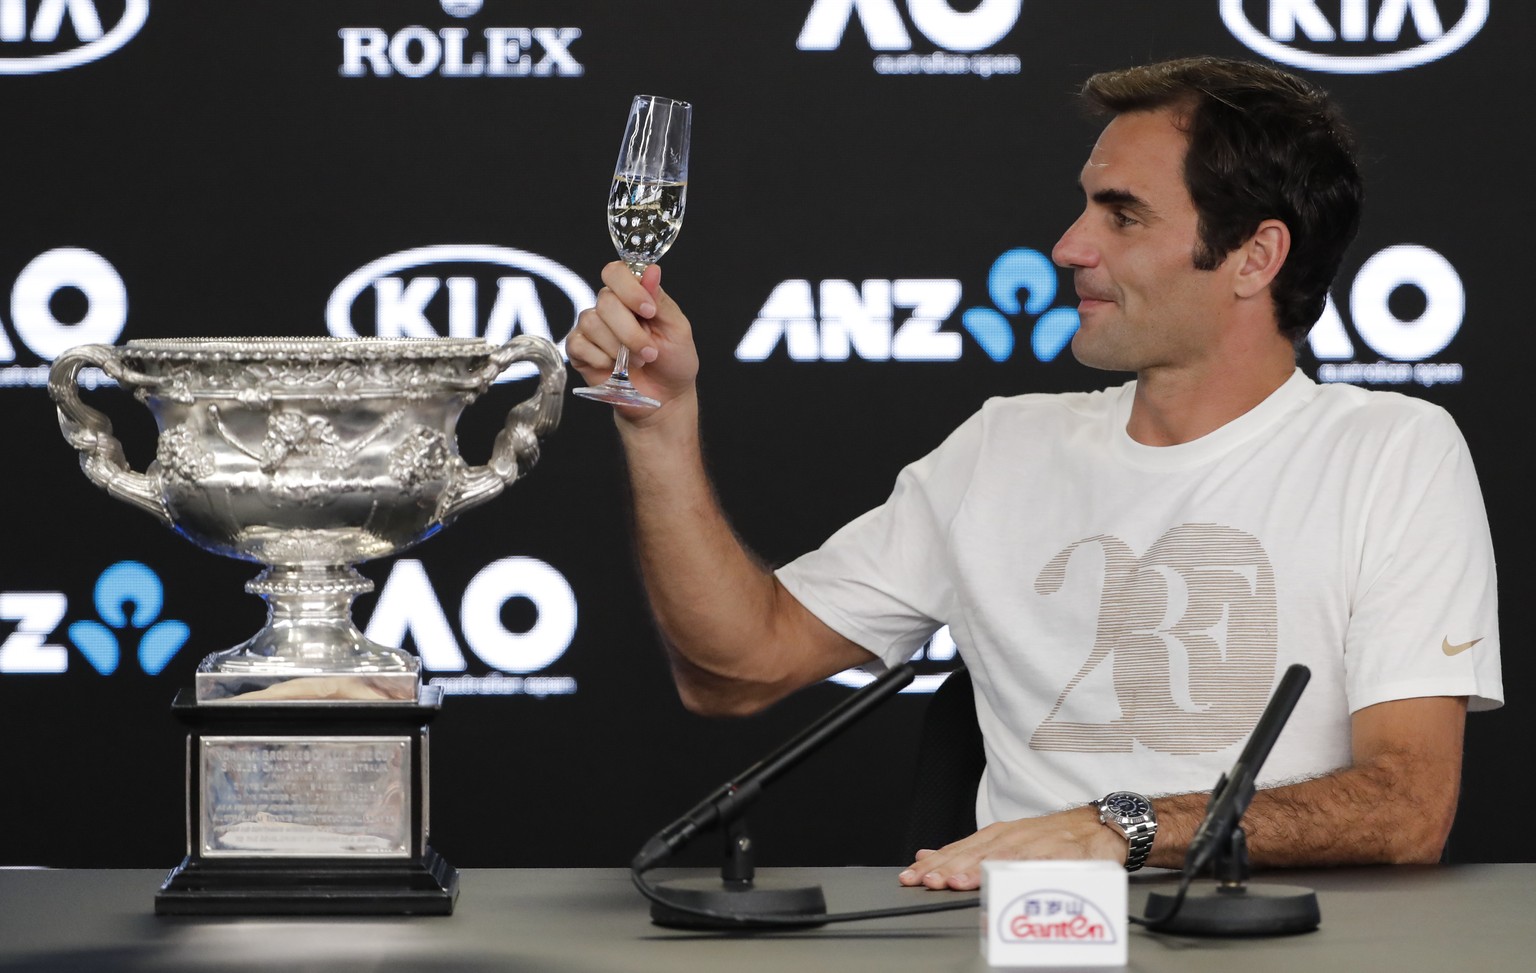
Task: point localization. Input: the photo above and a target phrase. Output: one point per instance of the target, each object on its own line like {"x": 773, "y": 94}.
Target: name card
{"x": 1054, "y": 913}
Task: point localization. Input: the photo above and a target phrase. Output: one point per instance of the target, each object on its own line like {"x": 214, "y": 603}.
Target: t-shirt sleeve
{"x": 884, "y": 581}
{"x": 1425, "y": 617}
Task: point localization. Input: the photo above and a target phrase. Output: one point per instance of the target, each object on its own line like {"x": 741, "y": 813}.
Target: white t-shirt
{"x": 1127, "y": 610}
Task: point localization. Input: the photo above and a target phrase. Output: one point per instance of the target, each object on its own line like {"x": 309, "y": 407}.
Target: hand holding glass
{"x": 645, "y": 210}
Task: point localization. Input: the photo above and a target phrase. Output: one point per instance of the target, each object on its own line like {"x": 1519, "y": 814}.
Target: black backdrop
{"x": 224, "y": 167}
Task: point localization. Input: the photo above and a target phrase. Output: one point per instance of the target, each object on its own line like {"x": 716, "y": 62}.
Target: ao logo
{"x": 1403, "y": 266}
{"x": 940, "y": 22}
{"x": 60, "y": 273}
{"x": 407, "y": 606}
{"x": 1356, "y": 26}
{"x": 46, "y": 23}
{"x": 406, "y": 303}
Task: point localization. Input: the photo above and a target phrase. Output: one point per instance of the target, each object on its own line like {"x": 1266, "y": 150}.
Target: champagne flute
{"x": 645, "y": 210}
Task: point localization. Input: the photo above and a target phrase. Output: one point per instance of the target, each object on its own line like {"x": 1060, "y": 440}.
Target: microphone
{"x": 1229, "y": 907}
{"x": 735, "y": 900}
{"x": 729, "y": 800}
{"x": 1234, "y": 791}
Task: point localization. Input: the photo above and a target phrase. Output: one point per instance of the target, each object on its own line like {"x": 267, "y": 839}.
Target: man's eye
{"x": 1120, "y": 219}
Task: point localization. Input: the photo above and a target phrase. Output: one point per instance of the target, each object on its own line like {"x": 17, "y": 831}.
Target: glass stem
{"x": 621, "y": 362}
{"x": 621, "y": 367}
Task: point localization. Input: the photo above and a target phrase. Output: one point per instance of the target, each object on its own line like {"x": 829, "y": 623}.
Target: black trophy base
{"x": 246, "y": 887}
{"x": 1210, "y": 909}
{"x": 737, "y": 904}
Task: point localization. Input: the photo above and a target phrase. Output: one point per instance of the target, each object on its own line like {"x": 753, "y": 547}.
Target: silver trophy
{"x": 308, "y": 456}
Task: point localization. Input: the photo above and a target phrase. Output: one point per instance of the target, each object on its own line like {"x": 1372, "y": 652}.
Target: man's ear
{"x": 1260, "y": 258}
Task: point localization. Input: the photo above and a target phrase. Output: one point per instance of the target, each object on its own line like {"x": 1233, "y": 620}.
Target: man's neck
{"x": 1179, "y": 405}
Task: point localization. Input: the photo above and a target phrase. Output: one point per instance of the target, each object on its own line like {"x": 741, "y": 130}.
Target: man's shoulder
{"x": 1376, "y": 408}
{"x": 1065, "y": 406}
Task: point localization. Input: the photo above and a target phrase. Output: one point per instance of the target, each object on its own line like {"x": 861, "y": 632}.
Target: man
{"x": 1127, "y": 572}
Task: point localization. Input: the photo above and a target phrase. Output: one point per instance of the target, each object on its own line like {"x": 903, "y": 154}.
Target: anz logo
{"x": 839, "y": 319}
{"x": 1032, "y": 273}
{"x": 128, "y": 598}
{"x": 1364, "y": 36}
{"x": 38, "y": 36}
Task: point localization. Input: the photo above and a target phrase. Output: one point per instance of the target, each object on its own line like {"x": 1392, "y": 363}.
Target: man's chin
{"x": 1093, "y": 355}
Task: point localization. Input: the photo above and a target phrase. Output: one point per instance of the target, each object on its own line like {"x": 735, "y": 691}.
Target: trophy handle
{"x": 90, "y": 432}
{"x": 517, "y": 445}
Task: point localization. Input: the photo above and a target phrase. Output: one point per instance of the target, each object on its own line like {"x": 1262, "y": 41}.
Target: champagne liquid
{"x": 644, "y": 217}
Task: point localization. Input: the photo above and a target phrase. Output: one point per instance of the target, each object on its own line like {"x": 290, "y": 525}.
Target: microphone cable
{"x": 788, "y": 921}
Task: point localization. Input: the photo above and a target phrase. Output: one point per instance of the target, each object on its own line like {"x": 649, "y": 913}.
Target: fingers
{"x": 631, "y": 290}
{"x": 1071, "y": 834}
{"x": 635, "y": 313}
{"x": 615, "y": 321}
{"x": 617, "y": 324}
{"x": 955, "y": 866}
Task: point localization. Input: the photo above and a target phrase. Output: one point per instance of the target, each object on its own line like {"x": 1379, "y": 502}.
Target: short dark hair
{"x": 1263, "y": 144}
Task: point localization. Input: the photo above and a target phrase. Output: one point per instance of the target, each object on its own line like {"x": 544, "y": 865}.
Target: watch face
{"x": 1126, "y": 805}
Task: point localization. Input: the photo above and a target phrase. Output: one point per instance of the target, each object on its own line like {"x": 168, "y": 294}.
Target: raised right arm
{"x": 736, "y": 638}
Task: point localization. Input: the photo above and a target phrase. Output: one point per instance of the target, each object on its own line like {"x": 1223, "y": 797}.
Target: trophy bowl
{"x": 308, "y": 455}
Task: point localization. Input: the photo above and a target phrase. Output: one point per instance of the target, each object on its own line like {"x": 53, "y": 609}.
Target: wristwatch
{"x": 1132, "y": 816}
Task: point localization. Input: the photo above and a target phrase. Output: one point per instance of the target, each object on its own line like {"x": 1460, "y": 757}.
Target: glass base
{"x": 617, "y": 393}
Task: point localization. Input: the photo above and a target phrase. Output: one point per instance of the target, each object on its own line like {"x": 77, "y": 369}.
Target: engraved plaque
{"x": 305, "y": 797}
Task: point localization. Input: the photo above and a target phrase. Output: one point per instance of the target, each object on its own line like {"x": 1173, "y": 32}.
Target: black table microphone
{"x": 1228, "y": 906}
{"x": 736, "y": 899}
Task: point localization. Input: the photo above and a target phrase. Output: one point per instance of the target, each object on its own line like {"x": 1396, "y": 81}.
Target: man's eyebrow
{"x": 1123, "y": 198}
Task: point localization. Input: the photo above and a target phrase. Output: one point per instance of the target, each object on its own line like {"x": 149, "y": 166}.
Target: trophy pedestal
{"x": 308, "y": 807}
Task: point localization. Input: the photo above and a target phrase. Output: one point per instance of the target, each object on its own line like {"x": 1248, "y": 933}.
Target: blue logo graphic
{"x": 1030, "y": 271}
{"x": 124, "y": 584}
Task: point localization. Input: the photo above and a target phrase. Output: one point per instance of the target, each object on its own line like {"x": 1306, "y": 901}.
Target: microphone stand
{"x": 738, "y": 899}
{"x": 1228, "y": 906}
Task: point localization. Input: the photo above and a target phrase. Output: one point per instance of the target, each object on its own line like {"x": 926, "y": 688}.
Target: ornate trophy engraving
{"x": 307, "y": 749}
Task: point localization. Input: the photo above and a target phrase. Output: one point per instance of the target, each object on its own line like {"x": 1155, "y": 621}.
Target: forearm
{"x": 717, "y": 606}
{"x": 1359, "y": 815}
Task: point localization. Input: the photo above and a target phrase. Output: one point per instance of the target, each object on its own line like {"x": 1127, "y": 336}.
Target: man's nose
{"x": 1074, "y": 249}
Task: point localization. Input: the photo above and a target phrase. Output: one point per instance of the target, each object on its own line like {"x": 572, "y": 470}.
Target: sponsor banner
{"x": 62, "y": 298}
{"x": 1354, "y": 36}
{"x": 913, "y": 319}
{"x": 961, "y": 37}
{"x": 453, "y": 51}
{"x": 459, "y": 291}
{"x": 1407, "y": 304}
{"x": 39, "y": 36}
{"x": 130, "y": 627}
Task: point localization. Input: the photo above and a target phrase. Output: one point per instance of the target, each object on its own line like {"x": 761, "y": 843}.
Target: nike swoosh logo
{"x": 1449, "y": 649}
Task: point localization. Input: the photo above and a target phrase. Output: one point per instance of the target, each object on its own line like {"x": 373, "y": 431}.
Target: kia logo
{"x": 1355, "y": 25}
{"x": 45, "y": 27}
{"x": 410, "y": 300}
